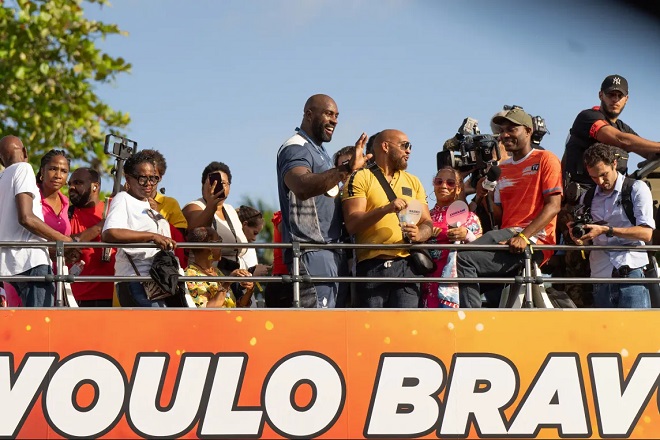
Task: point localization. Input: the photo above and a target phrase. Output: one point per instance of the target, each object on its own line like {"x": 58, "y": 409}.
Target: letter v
{"x": 620, "y": 403}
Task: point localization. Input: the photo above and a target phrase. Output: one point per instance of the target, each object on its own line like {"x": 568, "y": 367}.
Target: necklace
{"x": 210, "y": 271}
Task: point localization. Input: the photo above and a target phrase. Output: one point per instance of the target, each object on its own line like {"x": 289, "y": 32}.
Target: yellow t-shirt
{"x": 171, "y": 210}
{"x": 364, "y": 184}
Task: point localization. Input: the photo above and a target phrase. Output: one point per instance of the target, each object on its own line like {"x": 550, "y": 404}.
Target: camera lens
{"x": 578, "y": 231}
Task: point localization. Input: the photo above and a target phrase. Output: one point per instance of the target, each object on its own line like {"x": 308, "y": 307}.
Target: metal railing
{"x": 527, "y": 279}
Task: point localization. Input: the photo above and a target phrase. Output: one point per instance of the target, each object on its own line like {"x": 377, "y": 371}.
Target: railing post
{"x": 59, "y": 277}
{"x": 528, "y": 303}
{"x": 295, "y": 276}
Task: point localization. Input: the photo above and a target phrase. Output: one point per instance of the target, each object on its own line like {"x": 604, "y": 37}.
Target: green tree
{"x": 49, "y": 68}
{"x": 266, "y": 234}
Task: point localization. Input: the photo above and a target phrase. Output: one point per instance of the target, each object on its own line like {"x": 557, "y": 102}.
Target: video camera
{"x": 539, "y": 129}
{"x": 469, "y": 150}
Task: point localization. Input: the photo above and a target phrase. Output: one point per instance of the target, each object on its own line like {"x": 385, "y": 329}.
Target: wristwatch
{"x": 610, "y": 231}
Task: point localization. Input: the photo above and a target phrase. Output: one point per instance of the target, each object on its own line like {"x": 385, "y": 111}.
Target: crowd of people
{"x": 363, "y": 195}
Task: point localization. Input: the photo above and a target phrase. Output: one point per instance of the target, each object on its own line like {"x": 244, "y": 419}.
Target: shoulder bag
{"x": 420, "y": 260}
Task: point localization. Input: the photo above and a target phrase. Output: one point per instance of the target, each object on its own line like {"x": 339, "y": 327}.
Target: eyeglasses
{"x": 438, "y": 181}
{"x": 142, "y": 180}
{"x": 403, "y": 145}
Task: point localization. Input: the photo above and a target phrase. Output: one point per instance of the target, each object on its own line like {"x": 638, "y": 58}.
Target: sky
{"x": 227, "y": 80}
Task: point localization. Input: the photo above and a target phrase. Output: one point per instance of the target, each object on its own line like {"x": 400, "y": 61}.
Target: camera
{"x": 581, "y": 218}
{"x": 539, "y": 129}
{"x": 469, "y": 150}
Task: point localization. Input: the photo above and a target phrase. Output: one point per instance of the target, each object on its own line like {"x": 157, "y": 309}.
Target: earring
{"x": 41, "y": 178}
{"x": 127, "y": 186}
{"x": 210, "y": 257}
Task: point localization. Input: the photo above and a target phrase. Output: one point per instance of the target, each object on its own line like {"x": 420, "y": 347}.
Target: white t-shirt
{"x": 222, "y": 227}
{"x": 127, "y": 212}
{"x": 250, "y": 258}
{"x": 17, "y": 179}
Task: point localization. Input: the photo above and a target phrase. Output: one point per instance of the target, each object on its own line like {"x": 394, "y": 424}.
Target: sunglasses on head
{"x": 438, "y": 181}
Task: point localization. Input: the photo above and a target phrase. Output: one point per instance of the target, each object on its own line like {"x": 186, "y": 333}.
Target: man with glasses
{"x": 373, "y": 218}
{"x": 307, "y": 183}
{"x": 526, "y": 202}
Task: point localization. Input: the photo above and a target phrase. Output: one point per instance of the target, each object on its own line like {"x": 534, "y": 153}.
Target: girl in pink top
{"x": 52, "y": 176}
{"x": 447, "y": 187}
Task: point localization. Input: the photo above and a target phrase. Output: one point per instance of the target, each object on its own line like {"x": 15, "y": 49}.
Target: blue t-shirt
{"x": 317, "y": 219}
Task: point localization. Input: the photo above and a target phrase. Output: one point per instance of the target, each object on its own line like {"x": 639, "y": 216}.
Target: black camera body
{"x": 469, "y": 150}
{"x": 581, "y": 218}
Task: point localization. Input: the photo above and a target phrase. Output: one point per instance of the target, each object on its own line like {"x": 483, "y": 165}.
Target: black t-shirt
{"x": 582, "y": 136}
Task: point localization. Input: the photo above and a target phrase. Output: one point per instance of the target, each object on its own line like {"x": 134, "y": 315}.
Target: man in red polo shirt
{"x": 86, "y": 224}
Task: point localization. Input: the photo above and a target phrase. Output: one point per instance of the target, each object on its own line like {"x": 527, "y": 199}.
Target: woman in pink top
{"x": 447, "y": 187}
{"x": 52, "y": 176}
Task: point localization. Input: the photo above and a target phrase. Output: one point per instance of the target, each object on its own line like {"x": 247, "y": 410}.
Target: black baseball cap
{"x": 614, "y": 82}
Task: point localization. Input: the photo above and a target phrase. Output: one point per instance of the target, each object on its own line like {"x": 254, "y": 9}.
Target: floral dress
{"x": 438, "y": 215}
{"x": 202, "y": 291}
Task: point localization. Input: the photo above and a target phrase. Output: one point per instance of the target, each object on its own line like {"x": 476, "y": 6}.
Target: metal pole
{"x": 296, "y": 274}
{"x": 527, "y": 279}
{"x": 59, "y": 277}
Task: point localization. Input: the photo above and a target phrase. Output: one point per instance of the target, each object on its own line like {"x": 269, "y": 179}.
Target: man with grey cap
{"x": 526, "y": 202}
{"x": 602, "y": 124}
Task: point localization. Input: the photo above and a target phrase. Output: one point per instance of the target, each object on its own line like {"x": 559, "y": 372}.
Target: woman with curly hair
{"x": 130, "y": 219}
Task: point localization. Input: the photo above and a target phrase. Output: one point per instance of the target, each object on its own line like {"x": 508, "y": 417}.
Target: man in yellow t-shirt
{"x": 373, "y": 219}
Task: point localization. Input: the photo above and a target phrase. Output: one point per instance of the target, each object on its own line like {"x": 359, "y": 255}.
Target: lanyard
{"x": 324, "y": 154}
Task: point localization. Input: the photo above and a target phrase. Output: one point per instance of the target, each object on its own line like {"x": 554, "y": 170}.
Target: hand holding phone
{"x": 219, "y": 189}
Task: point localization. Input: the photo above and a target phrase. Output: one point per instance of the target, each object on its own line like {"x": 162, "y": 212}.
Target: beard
{"x": 609, "y": 114}
{"x": 319, "y": 132}
{"x": 400, "y": 163}
{"x": 79, "y": 200}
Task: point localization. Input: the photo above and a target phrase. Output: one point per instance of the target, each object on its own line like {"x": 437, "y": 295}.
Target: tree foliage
{"x": 49, "y": 68}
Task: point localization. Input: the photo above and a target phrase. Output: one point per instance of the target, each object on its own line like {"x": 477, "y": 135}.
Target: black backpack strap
{"x": 382, "y": 180}
{"x": 589, "y": 197}
{"x": 626, "y": 199}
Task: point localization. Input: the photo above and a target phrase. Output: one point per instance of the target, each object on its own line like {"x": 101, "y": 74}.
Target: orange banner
{"x": 329, "y": 374}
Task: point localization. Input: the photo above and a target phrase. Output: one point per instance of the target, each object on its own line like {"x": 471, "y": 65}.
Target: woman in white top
{"x": 211, "y": 210}
{"x": 130, "y": 219}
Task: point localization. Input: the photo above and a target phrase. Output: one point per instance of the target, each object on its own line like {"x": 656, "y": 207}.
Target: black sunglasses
{"x": 143, "y": 180}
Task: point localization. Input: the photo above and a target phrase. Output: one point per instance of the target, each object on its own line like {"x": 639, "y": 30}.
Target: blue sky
{"x": 227, "y": 80}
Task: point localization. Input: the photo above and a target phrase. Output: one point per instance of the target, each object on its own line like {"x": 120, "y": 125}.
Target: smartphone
{"x": 219, "y": 187}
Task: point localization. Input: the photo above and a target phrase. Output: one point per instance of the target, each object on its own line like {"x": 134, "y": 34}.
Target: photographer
{"x": 611, "y": 225}
{"x": 527, "y": 201}
{"x": 597, "y": 124}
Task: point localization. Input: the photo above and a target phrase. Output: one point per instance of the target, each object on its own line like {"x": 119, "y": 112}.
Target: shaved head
{"x": 389, "y": 149}
{"x": 320, "y": 118}
{"x": 12, "y": 151}
{"x": 318, "y": 101}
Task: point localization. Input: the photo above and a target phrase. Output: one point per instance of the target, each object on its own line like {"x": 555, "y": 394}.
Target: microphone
{"x": 492, "y": 175}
